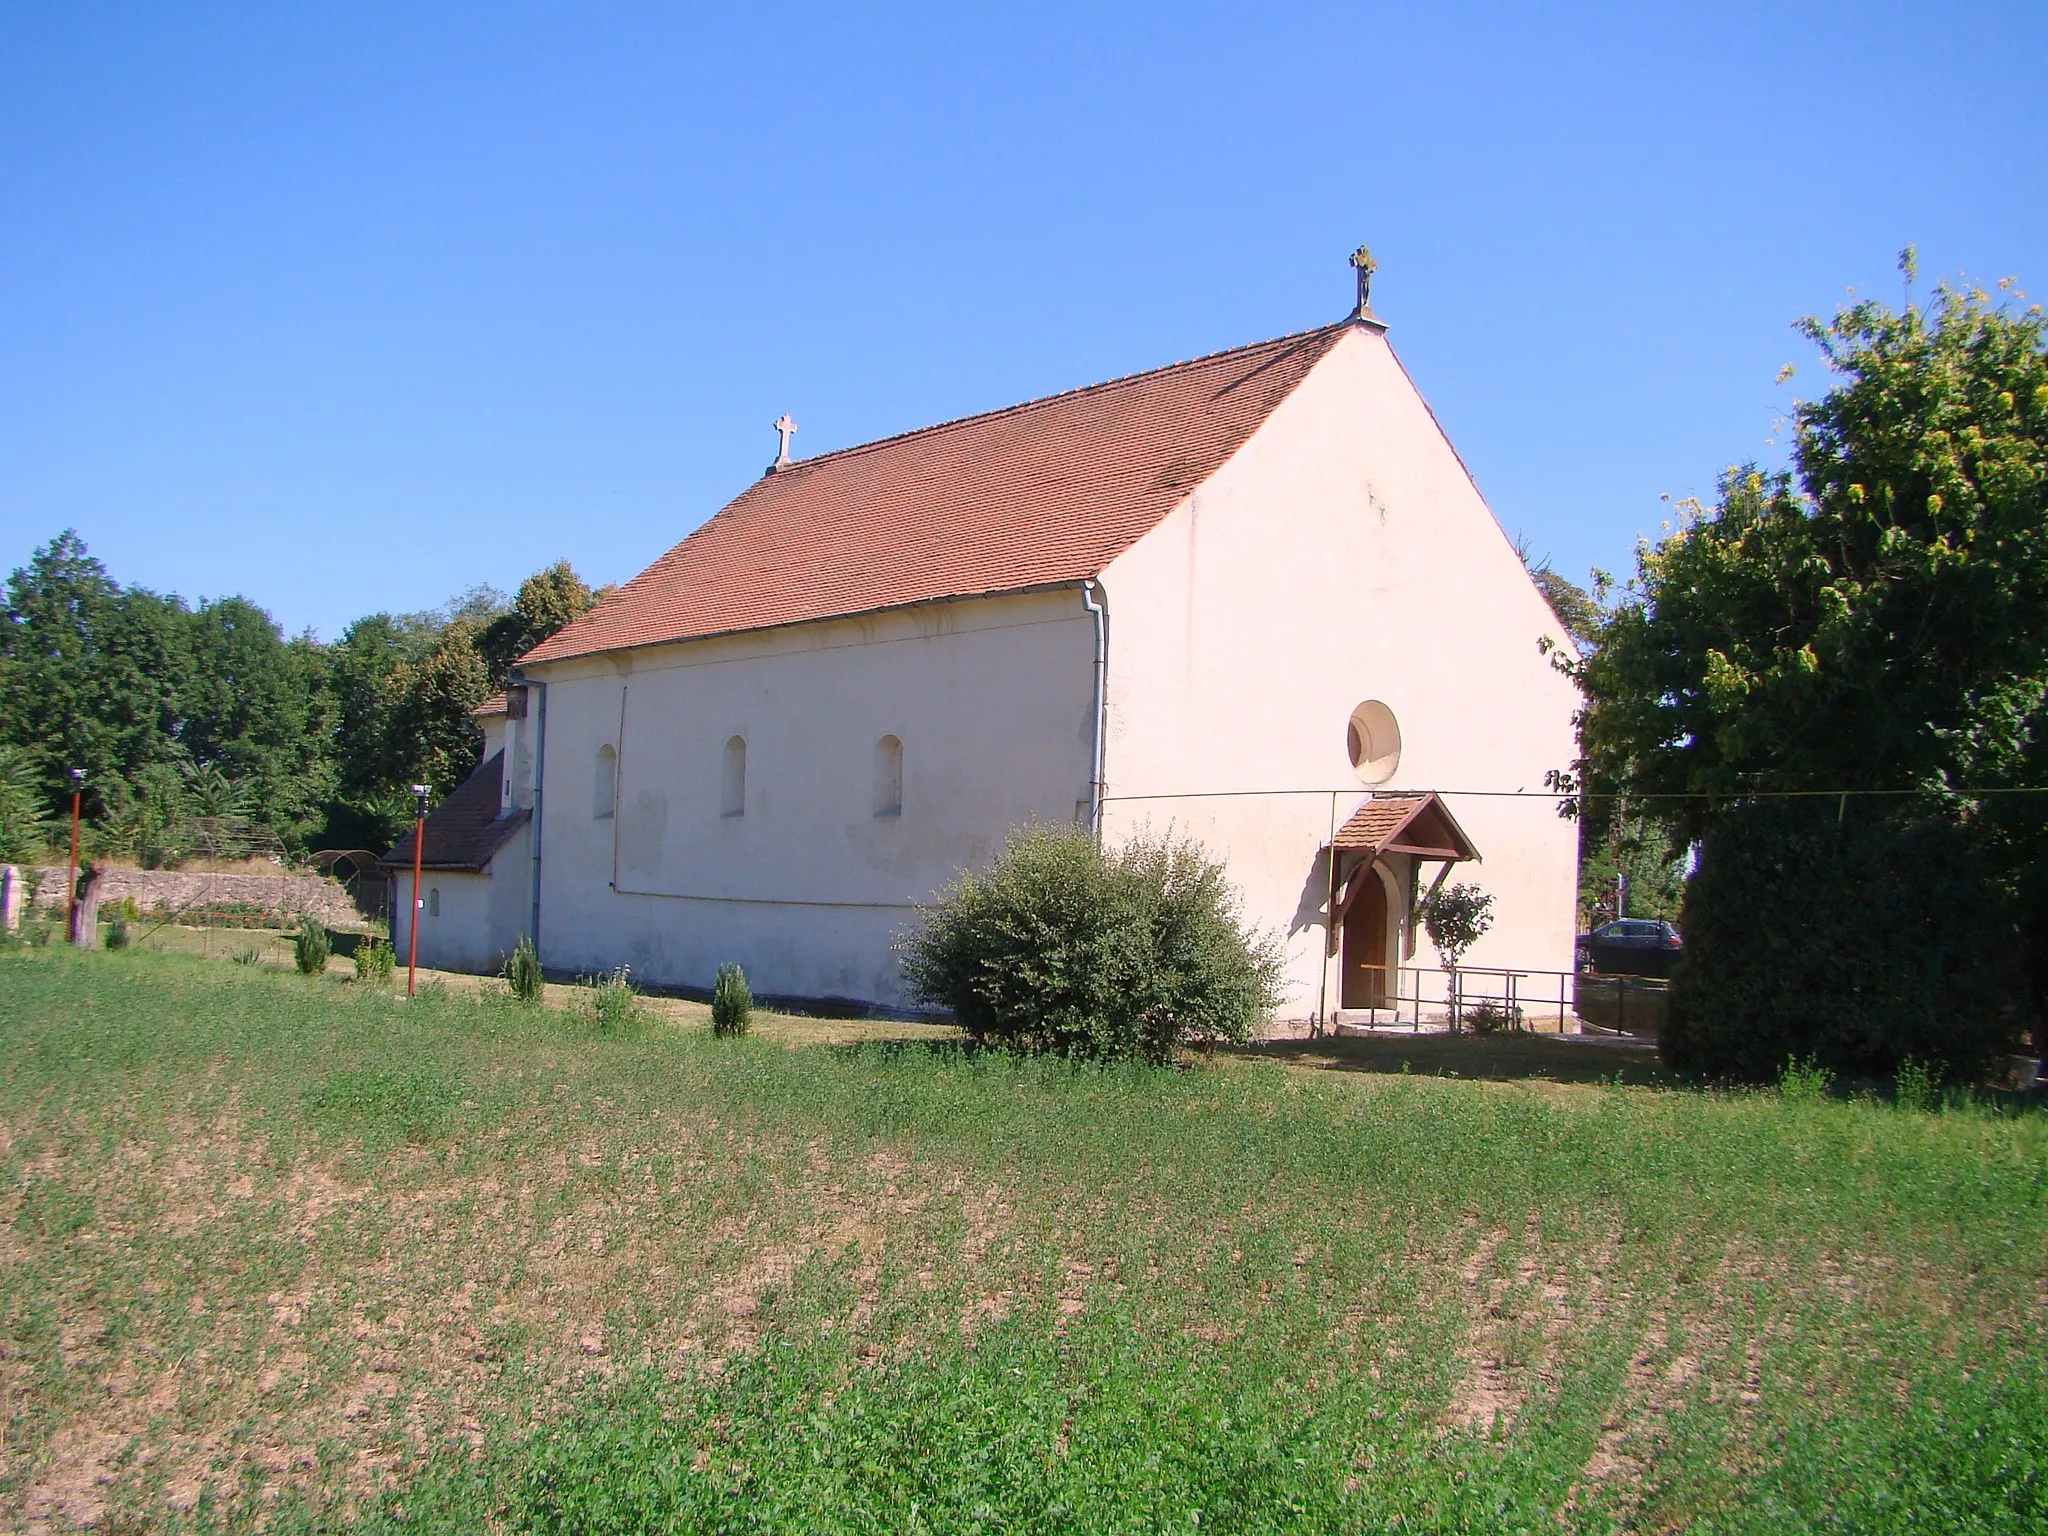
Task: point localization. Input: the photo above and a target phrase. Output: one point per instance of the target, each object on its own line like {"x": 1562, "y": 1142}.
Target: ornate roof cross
{"x": 783, "y": 427}
{"x": 1361, "y": 260}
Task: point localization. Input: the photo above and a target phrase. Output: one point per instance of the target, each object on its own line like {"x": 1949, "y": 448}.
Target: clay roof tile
{"x": 1039, "y": 494}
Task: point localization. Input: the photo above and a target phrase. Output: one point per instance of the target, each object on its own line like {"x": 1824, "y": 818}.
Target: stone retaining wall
{"x": 284, "y": 893}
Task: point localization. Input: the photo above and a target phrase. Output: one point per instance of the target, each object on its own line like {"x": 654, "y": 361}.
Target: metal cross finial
{"x": 1361, "y": 260}
{"x": 783, "y": 426}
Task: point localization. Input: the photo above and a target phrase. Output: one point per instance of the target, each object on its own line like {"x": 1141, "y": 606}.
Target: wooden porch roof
{"x": 1414, "y": 822}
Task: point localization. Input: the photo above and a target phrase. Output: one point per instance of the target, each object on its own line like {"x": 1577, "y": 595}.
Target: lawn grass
{"x": 298, "y": 1255}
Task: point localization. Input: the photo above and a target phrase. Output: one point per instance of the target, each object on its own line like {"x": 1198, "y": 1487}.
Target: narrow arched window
{"x": 604, "y": 796}
{"x": 732, "y": 796}
{"x": 433, "y": 901}
{"x": 888, "y": 777}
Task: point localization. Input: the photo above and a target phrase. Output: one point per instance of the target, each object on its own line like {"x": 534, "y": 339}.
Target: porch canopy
{"x": 1414, "y": 822}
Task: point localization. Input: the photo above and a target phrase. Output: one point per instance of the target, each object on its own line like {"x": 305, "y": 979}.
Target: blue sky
{"x": 348, "y": 308}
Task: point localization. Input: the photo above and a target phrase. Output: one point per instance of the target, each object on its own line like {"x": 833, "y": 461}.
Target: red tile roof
{"x": 465, "y": 831}
{"x": 1042, "y": 493}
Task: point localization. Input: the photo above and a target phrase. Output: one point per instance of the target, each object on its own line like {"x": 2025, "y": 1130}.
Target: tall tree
{"x": 256, "y": 710}
{"x": 1878, "y": 617}
{"x": 25, "y": 824}
{"x": 430, "y": 724}
{"x": 374, "y": 764}
{"x": 547, "y": 600}
{"x": 90, "y": 675}
{"x": 1873, "y": 619}
{"x": 1630, "y": 864}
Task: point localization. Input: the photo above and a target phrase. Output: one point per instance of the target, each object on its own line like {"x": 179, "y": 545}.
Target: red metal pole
{"x": 71, "y": 871}
{"x": 412, "y": 938}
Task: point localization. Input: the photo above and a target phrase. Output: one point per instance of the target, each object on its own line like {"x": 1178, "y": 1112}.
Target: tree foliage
{"x": 1630, "y": 864}
{"x": 1877, "y": 617}
{"x": 1627, "y": 867}
{"x": 434, "y": 696}
{"x": 24, "y": 823}
{"x": 181, "y": 715}
{"x": 1579, "y": 609}
{"x": 254, "y": 712}
{"x": 89, "y": 674}
{"x": 1065, "y": 947}
{"x": 1874, "y": 618}
{"x": 1857, "y": 936}
{"x": 1456, "y": 918}
{"x": 547, "y": 600}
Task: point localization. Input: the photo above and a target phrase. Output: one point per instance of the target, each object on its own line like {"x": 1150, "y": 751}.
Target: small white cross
{"x": 783, "y": 427}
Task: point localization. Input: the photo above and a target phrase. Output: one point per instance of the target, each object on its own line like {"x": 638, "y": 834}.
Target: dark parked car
{"x": 1632, "y": 946}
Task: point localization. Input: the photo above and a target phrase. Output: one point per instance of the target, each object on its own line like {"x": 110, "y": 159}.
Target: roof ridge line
{"x": 1064, "y": 394}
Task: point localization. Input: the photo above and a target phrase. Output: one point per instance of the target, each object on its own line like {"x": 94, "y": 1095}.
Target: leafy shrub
{"x": 1914, "y": 1087}
{"x": 1804, "y": 1082}
{"x": 1489, "y": 1016}
{"x": 1063, "y": 946}
{"x": 310, "y": 948}
{"x": 375, "y": 961}
{"x": 611, "y": 1001}
{"x": 1855, "y": 935}
{"x": 732, "y": 1003}
{"x": 522, "y": 971}
{"x": 117, "y": 932}
{"x": 249, "y": 956}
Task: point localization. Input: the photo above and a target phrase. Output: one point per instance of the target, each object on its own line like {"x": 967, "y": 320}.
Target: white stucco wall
{"x": 1342, "y": 555}
{"x": 481, "y": 915}
{"x": 992, "y": 700}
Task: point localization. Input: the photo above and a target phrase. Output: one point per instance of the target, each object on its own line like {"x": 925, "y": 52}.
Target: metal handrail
{"x": 1523, "y": 993}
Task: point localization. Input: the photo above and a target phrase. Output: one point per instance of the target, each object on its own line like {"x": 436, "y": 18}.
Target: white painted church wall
{"x": 990, "y": 698}
{"x": 1343, "y": 554}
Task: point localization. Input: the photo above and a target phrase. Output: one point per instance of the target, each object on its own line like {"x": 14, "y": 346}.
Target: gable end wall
{"x": 1342, "y": 555}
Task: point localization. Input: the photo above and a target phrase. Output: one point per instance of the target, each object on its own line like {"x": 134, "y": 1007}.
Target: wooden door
{"x": 1365, "y": 946}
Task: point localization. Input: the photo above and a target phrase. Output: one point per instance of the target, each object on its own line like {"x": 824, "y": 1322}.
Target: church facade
{"x": 1254, "y": 598}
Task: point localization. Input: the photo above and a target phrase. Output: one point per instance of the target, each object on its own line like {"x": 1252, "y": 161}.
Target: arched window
{"x": 433, "y": 901}
{"x": 732, "y": 796}
{"x": 888, "y": 777}
{"x": 604, "y": 798}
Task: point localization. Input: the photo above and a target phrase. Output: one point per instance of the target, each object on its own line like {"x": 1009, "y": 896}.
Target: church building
{"x": 1255, "y": 598}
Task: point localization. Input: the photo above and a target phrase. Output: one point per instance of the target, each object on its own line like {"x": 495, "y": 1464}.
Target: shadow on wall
{"x": 1313, "y": 910}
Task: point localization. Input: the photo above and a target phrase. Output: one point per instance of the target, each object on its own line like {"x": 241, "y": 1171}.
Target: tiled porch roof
{"x": 1405, "y": 821}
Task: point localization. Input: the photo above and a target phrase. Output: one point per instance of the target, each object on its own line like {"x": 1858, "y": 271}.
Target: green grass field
{"x": 291, "y": 1254}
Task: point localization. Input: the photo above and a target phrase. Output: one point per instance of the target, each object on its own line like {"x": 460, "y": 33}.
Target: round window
{"x": 1373, "y": 741}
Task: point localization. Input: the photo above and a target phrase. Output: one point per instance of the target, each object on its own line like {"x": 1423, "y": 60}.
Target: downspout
{"x": 540, "y": 743}
{"x": 1088, "y": 591}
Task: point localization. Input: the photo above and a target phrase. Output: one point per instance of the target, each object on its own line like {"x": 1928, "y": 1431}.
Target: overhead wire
{"x": 1604, "y": 794}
